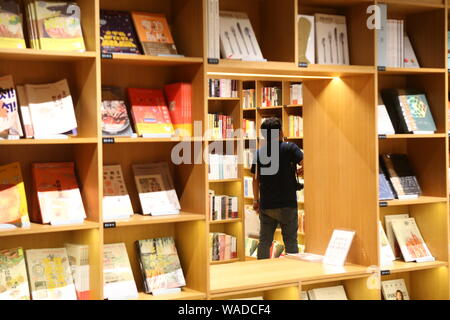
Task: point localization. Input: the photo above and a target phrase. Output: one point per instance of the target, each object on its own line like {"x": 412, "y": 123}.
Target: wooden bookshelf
{"x": 340, "y": 141}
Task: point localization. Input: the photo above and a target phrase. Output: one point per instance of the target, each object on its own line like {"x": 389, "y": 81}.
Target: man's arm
{"x": 256, "y": 192}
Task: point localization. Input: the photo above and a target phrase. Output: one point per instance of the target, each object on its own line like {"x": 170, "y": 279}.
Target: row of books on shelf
{"x": 159, "y": 264}
{"x": 222, "y": 167}
{"x": 223, "y": 246}
{"x": 295, "y": 125}
{"x": 221, "y": 126}
{"x": 404, "y": 111}
{"x": 222, "y": 207}
{"x": 45, "y": 274}
{"x": 223, "y": 88}
{"x": 249, "y": 99}
{"x": 296, "y": 94}
{"x": 272, "y": 97}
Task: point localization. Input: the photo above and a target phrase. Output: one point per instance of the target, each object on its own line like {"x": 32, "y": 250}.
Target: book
{"x": 116, "y": 200}
{"x": 306, "y": 39}
{"x": 13, "y": 275}
{"x": 328, "y": 293}
{"x": 409, "y": 59}
{"x": 115, "y": 119}
{"x": 160, "y": 265}
{"x": 252, "y": 223}
{"x": 248, "y": 187}
{"x": 386, "y": 253}
{"x": 338, "y": 247}
{"x": 390, "y": 232}
{"x": 50, "y": 275}
{"x": 213, "y": 29}
{"x": 117, "y": 33}
{"x": 78, "y": 255}
{"x": 9, "y": 110}
{"x": 384, "y": 121}
{"x": 56, "y": 194}
{"x": 385, "y": 191}
{"x": 11, "y": 31}
{"x": 13, "y": 200}
{"x": 401, "y": 175}
{"x": 25, "y": 112}
{"x": 157, "y": 193}
{"x": 410, "y": 240}
{"x": 382, "y": 36}
{"x": 118, "y": 280}
{"x": 251, "y": 245}
{"x": 58, "y": 25}
{"x": 331, "y": 39}
{"x": 51, "y": 108}
{"x": 223, "y": 246}
{"x": 150, "y": 113}
{"x": 222, "y": 167}
{"x": 394, "y": 289}
{"x": 154, "y": 33}
{"x": 223, "y": 88}
{"x": 179, "y": 99}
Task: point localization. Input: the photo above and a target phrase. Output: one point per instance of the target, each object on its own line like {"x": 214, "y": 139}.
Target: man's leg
{"x": 266, "y": 232}
{"x": 289, "y": 228}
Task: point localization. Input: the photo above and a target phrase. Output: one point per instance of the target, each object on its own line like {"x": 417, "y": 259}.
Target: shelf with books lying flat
{"x": 74, "y": 140}
{"x": 401, "y": 266}
{"x": 45, "y": 55}
{"x": 225, "y": 221}
{"x": 139, "y": 219}
{"x": 408, "y": 202}
{"x": 36, "y": 228}
{"x": 144, "y": 60}
{"x": 185, "y": 294}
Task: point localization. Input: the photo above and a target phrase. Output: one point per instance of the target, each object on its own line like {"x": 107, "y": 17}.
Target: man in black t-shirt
{"x": 275, "y": 188}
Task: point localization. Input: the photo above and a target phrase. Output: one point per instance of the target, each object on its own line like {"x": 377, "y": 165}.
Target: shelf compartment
{"x": 185, "y": 294}
{"x": 37, "y": 228}
{"x": 139, "y": 219}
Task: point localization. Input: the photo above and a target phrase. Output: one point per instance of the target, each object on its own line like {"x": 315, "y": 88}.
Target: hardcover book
{"x": 116, "y": 201}
{"x": 179, "y": 98}
{"x": 50, "y": 274}
{"x": 11, "y": 32}
{"x": 394, "y": 289}
{"x": 118, "y": 280}
{"x": 160, "y": 265}
{"x": 13, "y": 275}
{"x": 58, "y": 198}
{"x": 154, "y": 33}
{"x": 329, "y": 293}
{"x": 401, "y": 176}
{"x": 78, "y": 255}
{"x": 331, "y": 39}
{"x": 9, "y": 110}
{"x": 13, "y": 200}
{"x": 150, "y": 113}
{"x": 117, "y": 33}
{"x": 410, "y": 240}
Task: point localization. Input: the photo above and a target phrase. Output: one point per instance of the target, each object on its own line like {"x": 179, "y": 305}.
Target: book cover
{"x": 410, "y": 240}
{"x": 150, "y": 113}
{"x": 13, "y": 275}
{"x": 179, "y": 98}
{"x": 390, "y": 232}
{"x": 154, "y": 33}
{"x": 385, "y": 191}
{"x": 9, "y": 110}
{"x": 58, "y": 26}
{"x": 401, "y": 176}
{"x": 306, "y": 39}
{"x": 78, "y": 255}
{"x": 394, "y": 289}
{"x": 160, "y": 264}
{"x": 417, "y": 117}
{"x": 410, "y": 59}
{"x": 328, "y": 293}
{"x": 338, "y": 247}
{"x": 13, "y": 200}
{"x": 384, "y": 121}
{"x": 51, "y": 108}
{"x": 50, "y": 274}
{"x": 118, "y": 280}
{"x": 331, "y": 39}
{"x": 57, "y": 192}
{"x": 386, "y": 252}
{"x": 25, "y": 112}
{"x": 117, "y": 33}
{"x": 11, "y": 31}
{"x": 116, "y": 200}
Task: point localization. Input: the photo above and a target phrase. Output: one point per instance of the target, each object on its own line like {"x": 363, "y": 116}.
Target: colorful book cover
{"x": 11, "y": 32}
{"x": 13, "y": 200}
{"x": 160, "y": 264}
{"x": 59, "y": 26}
{"x": 115, "y": 120}
{"x": 118, "y": 280}
{"x": 154, "y": 33}
{"x": 116, "y": 201}
{"x": 179, "y": 98}
{"x": 13, "y": 275}
{"x": 150, "y": 113}
{"x": 9, "y": 110}
{"x": 50, "y": 274}
{"x": 401, "y": 176}
{"x": 394, "y": 289}
{"x": 416, "y": 113}
{"x": 58, "y": 195}
{"x": 78, "y": 255}
{"x": 117, "y": 34}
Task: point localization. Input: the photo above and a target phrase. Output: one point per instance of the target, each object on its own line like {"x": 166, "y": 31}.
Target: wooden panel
{"x": 430, "y": 284}
{"x": 289, "y": 293}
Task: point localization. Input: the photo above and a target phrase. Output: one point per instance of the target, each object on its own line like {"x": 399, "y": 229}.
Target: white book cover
{"x": 51, "y": 108}
{"x": 248, "y": 187}
{"x": 25, "y": 112}
{"x": 384, "y": 121}
{"x": 338, "y": 247}
{"x": 394, "y": 289}
{"x": 382, "y": 36}
{"x": 386, "y": 253}
{"x": 306, "y": 39}
{"x": 78, "y": 255}
{"x": 328, "y": 293}
{"x": 118, "y": 280}
{"x": 410, "y": 59}
{"x": 230, "y": 44}
{"x": 410, "y": 240}
{"x": 9, "y": 109}
{"x": 390, "y": 232}
{"x": 252, "y": 223}
{"x": 50, "y": 275}
{"x": 331, "y": 39}
{"x": 116, "y": 200}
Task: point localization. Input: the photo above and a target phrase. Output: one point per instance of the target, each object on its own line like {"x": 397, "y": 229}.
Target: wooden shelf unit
{"x": 340, "y": 141}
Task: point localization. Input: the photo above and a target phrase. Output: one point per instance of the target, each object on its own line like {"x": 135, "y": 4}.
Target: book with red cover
{"x": 179, "y": 98}
{"x": 56, "y": 196}
{"x": 150, "y": 113}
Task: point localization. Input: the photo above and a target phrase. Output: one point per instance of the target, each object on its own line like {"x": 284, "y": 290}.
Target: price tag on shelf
{"x": 107, "y": 56}
{"x": 385, "y": 272}
{"x": 303, "y": 65}
{"x": 109, "y": 225}
{"x": 381, "y": 68}
{"x": 109, "y": 140}
{"x": 213, "y": 61}
{"x": 383, "y": 204}
{"x": 382, "y": 136}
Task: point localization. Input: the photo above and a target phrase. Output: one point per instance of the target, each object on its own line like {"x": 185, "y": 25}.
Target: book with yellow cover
{"x": 13, "y": 275}
{"x": 11, "y": 32}
{"x": 13, "y": 200}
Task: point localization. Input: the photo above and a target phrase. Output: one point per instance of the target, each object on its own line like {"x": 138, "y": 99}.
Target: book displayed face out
{"x": 338, "y": 247}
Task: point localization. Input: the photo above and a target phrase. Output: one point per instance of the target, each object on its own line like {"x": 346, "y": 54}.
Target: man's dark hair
{"x": 268, "y": 127}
